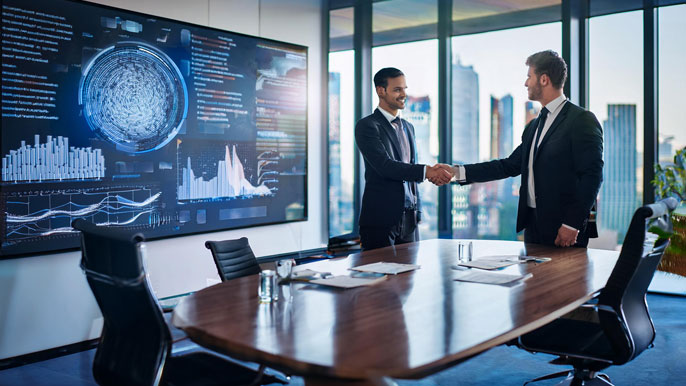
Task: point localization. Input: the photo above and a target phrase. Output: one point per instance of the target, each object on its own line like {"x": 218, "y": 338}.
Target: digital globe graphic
{"x": 134, "y": 96}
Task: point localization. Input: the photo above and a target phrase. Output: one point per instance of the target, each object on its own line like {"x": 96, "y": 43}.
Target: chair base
{"x": 577, "y": 377}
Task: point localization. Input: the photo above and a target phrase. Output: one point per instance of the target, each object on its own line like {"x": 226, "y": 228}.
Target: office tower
{"x": 465, "y": 114}
{"x": 501, "y": 126}
{"x": 505, "y": 126}
{"x": 618, "y": 198}
{"x": 335, "y": 191}
{"x": 531, "y": 111}
{"x": 465, "y": 141}
{"x": 418, "y": 112}
{"x": 665, "y": 152}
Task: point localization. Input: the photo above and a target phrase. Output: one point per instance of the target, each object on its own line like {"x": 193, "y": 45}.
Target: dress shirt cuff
{"x": 459, "y": 174}
{"x": 568, "y": 227}
{"x": 424, "y": 173}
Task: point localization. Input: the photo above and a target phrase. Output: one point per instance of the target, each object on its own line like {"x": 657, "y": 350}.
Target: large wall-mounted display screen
{"x": 136, "y": 121}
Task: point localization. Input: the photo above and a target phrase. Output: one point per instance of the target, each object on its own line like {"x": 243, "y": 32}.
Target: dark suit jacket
{"x": 568, "y": 171}
{"x": 383, "y": 200}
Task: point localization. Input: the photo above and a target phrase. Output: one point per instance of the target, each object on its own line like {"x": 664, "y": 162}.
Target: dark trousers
{"x": 405, "y": 231}
{"x": 532, "y": 234}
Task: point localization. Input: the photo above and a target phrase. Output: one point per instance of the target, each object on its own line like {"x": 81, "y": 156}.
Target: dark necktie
{"x": 539, "y": 129}
{"x": 402, "y": 140}
{"x": 410, "y": 194}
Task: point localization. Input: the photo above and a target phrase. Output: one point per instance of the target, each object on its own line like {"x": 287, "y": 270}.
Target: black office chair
{"x": 615, "y": 327}
{"x": 233, "y": 258}
{"x": 135, "y": 347}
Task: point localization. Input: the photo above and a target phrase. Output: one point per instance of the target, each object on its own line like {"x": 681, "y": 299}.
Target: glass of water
{"x": 267, "y": 289}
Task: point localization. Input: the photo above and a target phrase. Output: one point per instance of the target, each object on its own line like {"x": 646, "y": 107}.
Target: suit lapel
{"x": 556, "y": 123}
{"x": 388, "y": 129}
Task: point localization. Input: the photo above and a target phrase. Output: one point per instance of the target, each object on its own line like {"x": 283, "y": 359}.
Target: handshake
{"x": 439, "y": 174}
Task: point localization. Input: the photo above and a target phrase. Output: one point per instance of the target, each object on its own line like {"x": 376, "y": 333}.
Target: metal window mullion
{"x": 575, "y": 49}
{"x": 650, "y": 98}
{"x": 445, "y": 113}
{"x": 362, "y": 45}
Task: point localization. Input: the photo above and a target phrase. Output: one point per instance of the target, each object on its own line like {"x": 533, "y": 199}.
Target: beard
{"x": 397, "y": 104}
{"x": 535, "y": 92}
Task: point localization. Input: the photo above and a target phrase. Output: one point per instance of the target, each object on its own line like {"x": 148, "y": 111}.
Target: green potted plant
{"x": 670, "y": 180}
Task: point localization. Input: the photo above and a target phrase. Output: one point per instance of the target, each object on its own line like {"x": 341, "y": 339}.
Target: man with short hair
{"x": 560, "y": 160}
{"x": 390, "y": 203}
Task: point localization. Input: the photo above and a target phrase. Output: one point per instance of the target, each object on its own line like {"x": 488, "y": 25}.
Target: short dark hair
{"x": 550, "y": 63}
{"x": 381, "y": 77}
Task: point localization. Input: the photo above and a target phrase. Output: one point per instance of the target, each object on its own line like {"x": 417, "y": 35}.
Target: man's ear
{"x": 544, "y": 79}
{"x": 380, "y": 91}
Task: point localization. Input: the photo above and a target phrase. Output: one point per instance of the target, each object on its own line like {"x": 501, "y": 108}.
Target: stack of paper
{"x": 386, "y": 268}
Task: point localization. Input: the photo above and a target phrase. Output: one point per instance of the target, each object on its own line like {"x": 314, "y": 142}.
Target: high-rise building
{"x": 465, "y": 141}
{"x": 336, "y": 226}
{"x": 505, "y": 126}
{"x": 618, "y": 198}
{"x": 501, "y": 126}
{"x": 465, "y": 114}
{"x": 665, "y": 154}
{"x": 531, "y": 111}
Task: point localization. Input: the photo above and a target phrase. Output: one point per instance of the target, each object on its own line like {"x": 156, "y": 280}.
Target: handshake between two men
{"x": 439, "y": 174}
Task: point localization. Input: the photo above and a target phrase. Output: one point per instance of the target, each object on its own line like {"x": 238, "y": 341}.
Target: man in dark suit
{"x": 390, "y": 203}
{"x": 560, "y": 160}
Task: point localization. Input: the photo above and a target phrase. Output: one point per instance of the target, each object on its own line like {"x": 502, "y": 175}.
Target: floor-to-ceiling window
{"x": 412, "y": 20}
{"x": 418, "y": 61}
{"x": 616, "y": 98}
{"x": 672, "y": 81}
{"x": 490, "y": 109}
{"x": 341, "y": 122}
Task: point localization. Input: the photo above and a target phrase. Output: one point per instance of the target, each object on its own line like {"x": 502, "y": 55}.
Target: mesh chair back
{"x": 135, "y": 340}
{"x": 630, "y": 329}
{"x": 234, "y": 258}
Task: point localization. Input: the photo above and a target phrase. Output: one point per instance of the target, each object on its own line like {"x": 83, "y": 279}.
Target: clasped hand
{"x": 439, "y": 174}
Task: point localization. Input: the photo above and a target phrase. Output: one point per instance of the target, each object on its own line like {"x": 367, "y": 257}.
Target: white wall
{"x": 45, "y": 301}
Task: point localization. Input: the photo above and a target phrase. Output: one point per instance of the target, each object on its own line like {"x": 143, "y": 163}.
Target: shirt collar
{"x": 390, "y": 117}
{"x": 555, "y": 104}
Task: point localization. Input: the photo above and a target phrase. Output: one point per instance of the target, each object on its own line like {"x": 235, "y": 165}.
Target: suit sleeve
{"x": 587, "y": 150}
{"x": 368, "y": 140}
{"x": 495, "y": 169}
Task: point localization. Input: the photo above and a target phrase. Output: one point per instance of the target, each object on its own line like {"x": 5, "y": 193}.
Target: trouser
{"x": 405, "y": 231}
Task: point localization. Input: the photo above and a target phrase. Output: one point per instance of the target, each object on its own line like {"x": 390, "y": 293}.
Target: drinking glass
{"x": 267, "y": 291}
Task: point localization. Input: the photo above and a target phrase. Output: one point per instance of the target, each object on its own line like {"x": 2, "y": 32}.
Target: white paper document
{"x": 347, "y": 281}
{"x": 386, "y": 268}
{"x": 489, "y": 277}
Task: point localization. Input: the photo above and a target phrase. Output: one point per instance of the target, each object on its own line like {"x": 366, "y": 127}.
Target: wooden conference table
{"x": 408, "y": 326}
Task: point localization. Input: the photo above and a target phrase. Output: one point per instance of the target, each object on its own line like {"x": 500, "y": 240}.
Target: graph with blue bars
{"x": 52, "y": 160}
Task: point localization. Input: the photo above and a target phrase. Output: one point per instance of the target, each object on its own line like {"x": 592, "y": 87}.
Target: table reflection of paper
{"x": 387, "y": 268}
{"x": 487, "y": 263}
{"x": 306, "y": 275}
{"x": 347, "y": 281}
{"x": 489, "y": 277}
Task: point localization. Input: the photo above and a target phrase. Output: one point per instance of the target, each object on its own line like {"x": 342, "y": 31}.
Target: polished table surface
{"x": 408, "y": 326}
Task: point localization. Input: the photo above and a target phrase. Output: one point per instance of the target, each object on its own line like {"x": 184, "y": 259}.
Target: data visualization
{"x": 149, "y": 124}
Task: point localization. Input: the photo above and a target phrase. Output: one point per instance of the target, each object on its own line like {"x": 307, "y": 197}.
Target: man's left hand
{"x": 566, "y": 237}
